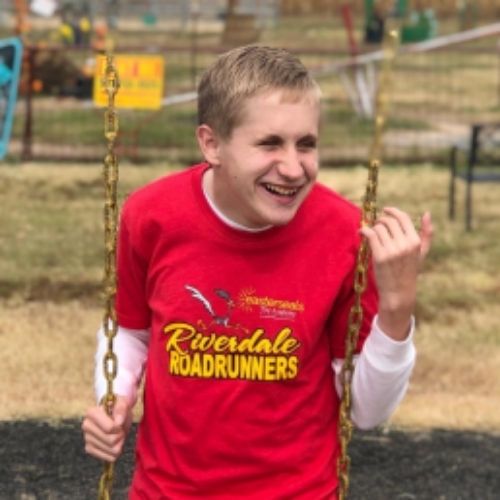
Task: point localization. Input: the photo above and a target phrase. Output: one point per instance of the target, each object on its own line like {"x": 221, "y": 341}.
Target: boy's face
{"x": 264, "y": 171}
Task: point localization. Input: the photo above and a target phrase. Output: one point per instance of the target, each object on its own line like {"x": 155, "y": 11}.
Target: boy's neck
{"x": 207, "y": 188}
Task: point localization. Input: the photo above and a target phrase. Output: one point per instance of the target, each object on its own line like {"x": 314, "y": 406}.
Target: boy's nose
{"x": 290, "y": 165}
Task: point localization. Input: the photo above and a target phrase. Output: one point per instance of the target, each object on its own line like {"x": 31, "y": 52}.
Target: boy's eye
{"x": 307, "y": 143}
{"x": 304, "y": 144}
{"x": 270, "y": 142}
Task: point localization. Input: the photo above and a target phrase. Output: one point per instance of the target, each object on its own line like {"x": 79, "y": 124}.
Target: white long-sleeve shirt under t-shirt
{"x": 380, "y": 380}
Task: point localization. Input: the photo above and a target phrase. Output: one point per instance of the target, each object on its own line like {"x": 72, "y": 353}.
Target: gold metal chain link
{"x": 368, "y": 216}
{"x": 110, "y": 362}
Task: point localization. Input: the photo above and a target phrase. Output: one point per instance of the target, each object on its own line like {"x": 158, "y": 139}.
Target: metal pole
{"x": 27, "y": 152}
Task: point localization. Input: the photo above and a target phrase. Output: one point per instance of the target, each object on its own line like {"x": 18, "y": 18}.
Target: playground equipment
{"x": 376, "y": 13}
{"x": 10, "y": 68}
{"x": 421, "y": 25}
{"x": 369, "y": 214}
{"x": 358, "y": 75}
{"x": 418, "y": 24}
{"x": 75, "y": 28}
{"x": 478, "y": 165}
{"x": 150, "y": 15}
{"x": 110, "y": 326}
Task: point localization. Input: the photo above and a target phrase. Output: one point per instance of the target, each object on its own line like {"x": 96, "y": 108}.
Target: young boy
{"x": 235, "y": 284}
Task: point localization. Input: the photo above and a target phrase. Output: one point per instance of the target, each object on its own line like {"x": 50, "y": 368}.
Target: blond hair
{"x": 245, "y": 72}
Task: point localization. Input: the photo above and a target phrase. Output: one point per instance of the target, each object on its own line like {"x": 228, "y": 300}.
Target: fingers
{"x": 398, "y": 250}
{"x": 107, "y": 448}
{"x": 105, "y": 436}
{"x": 426, "y": 233}
{"x": 392, "y": 234}
{"x": 121, "y": 411}
{"x": 398, "y": 223}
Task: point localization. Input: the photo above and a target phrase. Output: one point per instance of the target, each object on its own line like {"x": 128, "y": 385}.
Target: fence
{"x": 436, "y": 94}
{"x": 485, "y": 9}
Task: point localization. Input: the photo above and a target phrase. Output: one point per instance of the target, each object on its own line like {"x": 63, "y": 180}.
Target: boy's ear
{"x": 209, "y": 143}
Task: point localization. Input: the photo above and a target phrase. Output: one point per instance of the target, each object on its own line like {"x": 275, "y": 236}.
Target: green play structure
{"x": 417, "y": 24}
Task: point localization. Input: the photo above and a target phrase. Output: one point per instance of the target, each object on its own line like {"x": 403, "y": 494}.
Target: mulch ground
{"x": 39, "y": 460}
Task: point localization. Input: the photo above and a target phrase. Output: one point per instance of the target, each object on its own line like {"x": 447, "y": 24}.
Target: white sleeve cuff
{"x": 381, "y": 376}
{"x": 131, "y": 348}
{"x": 386, "y": 354}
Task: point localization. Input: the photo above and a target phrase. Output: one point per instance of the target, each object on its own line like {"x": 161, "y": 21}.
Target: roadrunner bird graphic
{"x": 219, "y": 319}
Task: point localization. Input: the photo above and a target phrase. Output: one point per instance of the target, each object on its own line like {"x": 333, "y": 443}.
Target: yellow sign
{"x": 141, "y": 81}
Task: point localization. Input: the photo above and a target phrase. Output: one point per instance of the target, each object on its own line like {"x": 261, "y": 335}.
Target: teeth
{"x": 282, "y": 191}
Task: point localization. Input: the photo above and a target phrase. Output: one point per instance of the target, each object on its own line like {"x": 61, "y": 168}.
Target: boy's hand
{"x": 398, "y": 252}
{"x": 104, "y": 435}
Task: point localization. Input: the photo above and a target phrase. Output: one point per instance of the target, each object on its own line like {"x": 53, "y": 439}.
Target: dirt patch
{"x": 39, "y": 460}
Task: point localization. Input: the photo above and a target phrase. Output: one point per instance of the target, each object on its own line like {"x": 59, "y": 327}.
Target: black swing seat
{"x": 475, "y": 159}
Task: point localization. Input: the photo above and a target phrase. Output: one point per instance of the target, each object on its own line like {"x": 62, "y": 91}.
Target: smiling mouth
{"x": 280, "y": 190}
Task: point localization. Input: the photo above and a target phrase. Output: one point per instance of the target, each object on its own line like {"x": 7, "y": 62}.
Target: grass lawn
{"x": 51, "y": 268}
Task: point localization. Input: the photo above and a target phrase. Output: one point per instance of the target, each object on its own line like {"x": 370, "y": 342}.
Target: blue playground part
{"x": 11, "y": 50}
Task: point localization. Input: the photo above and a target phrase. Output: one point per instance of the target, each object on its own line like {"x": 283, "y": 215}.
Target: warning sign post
{"x": 141, "y": 81}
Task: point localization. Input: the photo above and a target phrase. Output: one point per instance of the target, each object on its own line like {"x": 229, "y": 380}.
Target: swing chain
{"x": 355, "y": 318}
{"x": 110, "y": 362}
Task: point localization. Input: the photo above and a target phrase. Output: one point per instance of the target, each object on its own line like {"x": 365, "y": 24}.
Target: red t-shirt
{"x": 239, "y": 398}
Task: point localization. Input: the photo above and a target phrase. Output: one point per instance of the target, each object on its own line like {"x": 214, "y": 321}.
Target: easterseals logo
{"x": 219, "y": 349}
{"x": 269, "y": 307}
